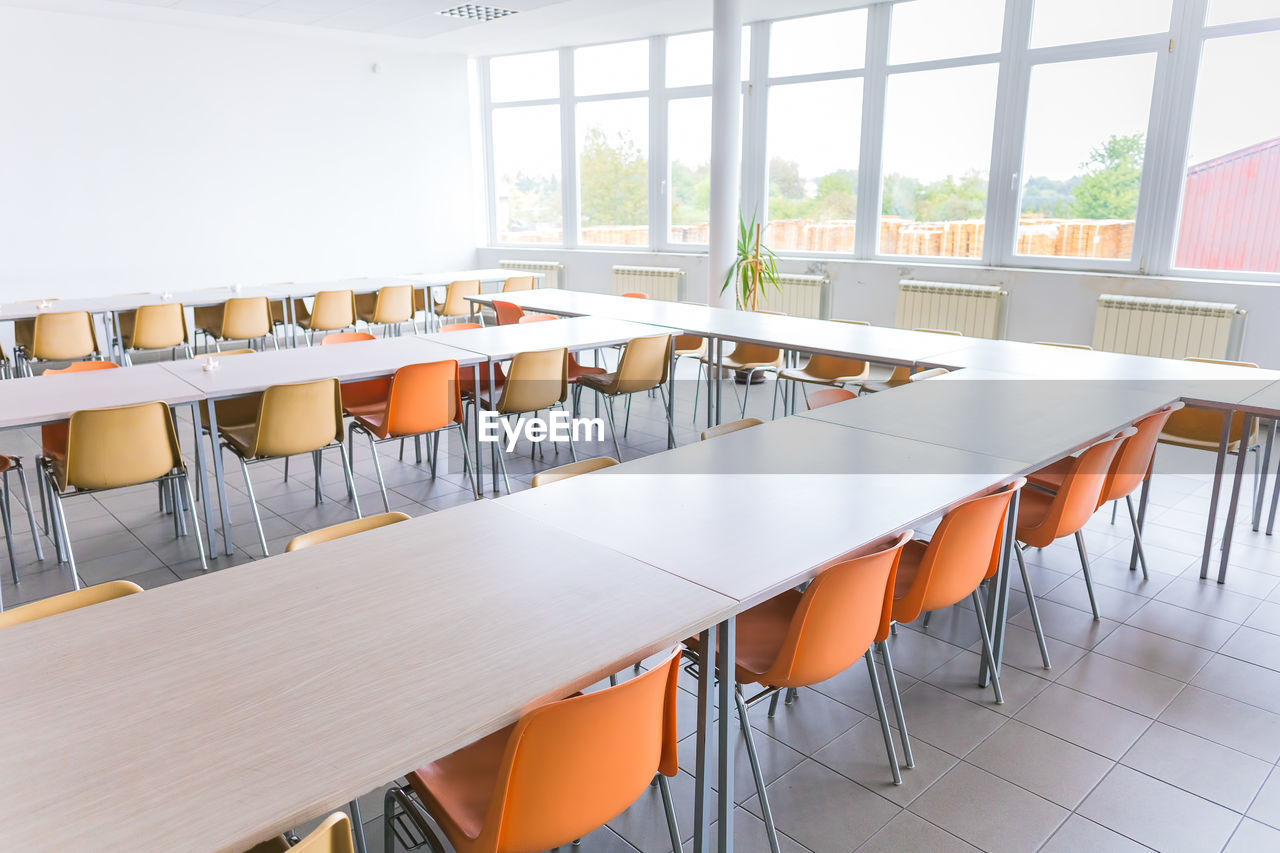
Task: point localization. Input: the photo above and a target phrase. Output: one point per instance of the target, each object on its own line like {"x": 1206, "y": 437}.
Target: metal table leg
{"x": 1262, "y": 481}
{"x": 1223, "y": 440}
{"x": 727, "y": 708}
{"x": 998, "y": 594}
{"x": 494, "y": 450}
{"x": 219, "y": 478}
{"x": 671, "y": 394}
{"x": 475, "y": 383}
{"x": 1245, "y": 427}
{"x": 712, "y": 361}
{"x": 1142, "y": 515}
{"x": 719, "y": 371}
{"x": 206, "y": 497}
{"x": 702, "y": 763}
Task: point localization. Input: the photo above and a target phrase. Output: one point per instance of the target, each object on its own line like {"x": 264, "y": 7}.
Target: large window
{"x": 1132, "y": 136}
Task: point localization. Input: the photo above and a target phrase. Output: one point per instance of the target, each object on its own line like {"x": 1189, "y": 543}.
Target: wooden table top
{"x": 218, "y": 711}
{"x": 575, "y": 333}
{"x": 252, "y": 372}
{"x": 43, "y": 399}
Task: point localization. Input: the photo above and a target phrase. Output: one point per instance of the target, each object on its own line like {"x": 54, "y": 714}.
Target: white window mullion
{"x": 1004, "y": 189}
{"x": 659, "y": 165}
{"x": 568, "y": 153}
{"x": 486, "y": 149}
{"x": 866, "y": 242}
{"x": 755, "y": 111}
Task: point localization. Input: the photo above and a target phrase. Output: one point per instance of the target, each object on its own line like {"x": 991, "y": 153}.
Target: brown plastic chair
{"x": 799, "y": 639}
{"x": 423, "y": 399}
{"x": 561, "y": 771}
{"x": 67, "y": 601}
{"x": 346, "y": 528}
{"x": 240, "y": 319}
{"x": 292, "y": 419}
{"x": 155, "y": 327}
{"x": 820, "y": 370}
{"x": 951, "y": 566}
{"x": 745, "y": 358}
{"x": 828, "y": 397}
{"x": 645, "y": 364}
{"x": 332, "y": 311}
{"x": 1130, "y": 468}
{"x": 114, "y": 448}
{"x": 519, "y": 282}
{"x": 573, "y": 469}
{"x": 456, "y": 303}
{"x": 390, "y": 306}
{"x": 1044, "y": 518}
{"x": 62, "y": 336}
{"x": 732, "y": 426}
{"x": 7, "y": 465}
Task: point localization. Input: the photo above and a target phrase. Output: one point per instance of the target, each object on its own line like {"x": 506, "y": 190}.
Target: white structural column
{"x": 726, "y": 140}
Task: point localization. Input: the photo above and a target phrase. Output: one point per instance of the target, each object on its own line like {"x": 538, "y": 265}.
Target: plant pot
{"x": 740, "y": 376}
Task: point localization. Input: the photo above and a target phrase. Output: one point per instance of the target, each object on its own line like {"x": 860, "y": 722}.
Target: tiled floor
{"x": 1158, "y": 726}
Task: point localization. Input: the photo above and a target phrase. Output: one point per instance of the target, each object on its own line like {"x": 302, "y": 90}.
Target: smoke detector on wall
{"x": 475, "y": 12}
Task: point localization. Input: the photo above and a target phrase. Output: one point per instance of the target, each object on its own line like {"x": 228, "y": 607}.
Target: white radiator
{"x": 1172, "y": 328}
{"x": 666, "y": 283}
{"x": 799, "y": 296}
{"x": 970, "y": 309}
{"x": 552, "y": 271}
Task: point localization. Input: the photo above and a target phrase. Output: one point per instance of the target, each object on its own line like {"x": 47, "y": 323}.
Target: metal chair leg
{"x": 765, "y": 810}
{"x": 613, "y": 429}
{"x": 351, "y": 479}
{"x": 8, "y": 534}
{"x": 669, "y": 807}
{"x": 1275, "y": 499}
{"x": 884, "y": 718}
{"x": 466, "y": 456}
{"x": 195, "y": 520}
{"x": 1031, "y": 604}
{"x": 31, "y": 513}
{"x": 316, "y": 464}
{"x": 357, "y": 826}
{"x": 908, "y": 756}
{"x": 253, "y": 504}
{"x": 986, "y": 646}
{"x": 60, "y": 518}
{"x": 1137, "y": 536}
{"x": 502, "y": 466}
{"x": 377, "y": 467}
{"x": 1088, "y": 576}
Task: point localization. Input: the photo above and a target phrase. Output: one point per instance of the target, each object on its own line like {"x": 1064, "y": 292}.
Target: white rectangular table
{"x": 239, "y": 375}
{"x": 213, "y": 713}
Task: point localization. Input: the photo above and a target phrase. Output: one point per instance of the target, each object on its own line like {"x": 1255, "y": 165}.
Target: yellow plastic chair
{"x": 346, "y": 528}
{"x": 645, "y": 364}
{"x": 67, "y": 602}
{"x": 1064, "y": 346}
{"x": 732, "y": 426}
{"x": 332, "y": 311}
{"x": 456, "y": 303}
{"x": 245, "y": 319}
{"x": 154, "y": 327}
{"x": 901, "y": 374}
{"x": 114, "y": 448}
{"x": 828, "y": 370}
{"x": 291, "y": 420}
{"x": 390, "y": 306}
{"x": 931, "y": 373}
{"x": 745, "y": 358}
{"x": 573, "y": 469}
{"x": 519, "y": 282}
{"x": 62, "y": 336}
{"x": 334, "y": 835}
{"x": 535, "y": 381}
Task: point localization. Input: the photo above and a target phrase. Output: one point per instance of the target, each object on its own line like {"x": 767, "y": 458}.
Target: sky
{"x": 936, "y": 122}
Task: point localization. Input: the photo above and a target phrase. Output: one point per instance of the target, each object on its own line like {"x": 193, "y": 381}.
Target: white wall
{"x": 137, "y": 155}
{"x": 1042, "y": 305}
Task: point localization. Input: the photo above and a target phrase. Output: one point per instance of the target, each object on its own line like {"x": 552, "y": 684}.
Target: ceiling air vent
{"x": 475, "y": 12}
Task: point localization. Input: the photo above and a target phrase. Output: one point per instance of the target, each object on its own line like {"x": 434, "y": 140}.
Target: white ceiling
{"x": 538, "y": 24}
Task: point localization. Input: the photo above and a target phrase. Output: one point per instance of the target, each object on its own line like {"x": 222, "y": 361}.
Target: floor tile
{"x": 1253, "y": 646}
{"x": 1056, "y": 769}
{"x": 1068, "y": 624}
{"x": 1266, "y": 617}
{"x": 859, "y": 754}
{"x": 1221, "y": 719}
{"x": 1122, "y": 684}
{"x": 1266, "y": 806}
{"x": 808, "y": 724}
{"x": 917, "y": 654}
{"x": 988, "y": 812}
{"x": 1022, "y": 651}
{"x": 1252, "y": 836}
{"x": 960, "y": 676}
{"x": 853, "y": 687}
{"x": 1206, "y": 769}
{"x": 908, "y": 832}
{"x": 1253, "y": 685}
{"x": 825, "y": 811}
{"x": 1143, "y": 649}
{"x": 1157, "y": 814}
{"x": 749, "y": 836}
{"x": 1081, "y": 834}
{"x": 1187, "y": 626}
{"x": 1209, "y": 597}
{"x": 1098, "y": 726}
{"x": 946, "y": 721}
{"x": 776, "y": 758}
{"x": 1113, "y": 603}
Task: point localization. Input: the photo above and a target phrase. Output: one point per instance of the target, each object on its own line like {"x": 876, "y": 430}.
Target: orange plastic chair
{"x": 963, "y": 552}
{"x": 346, "y": 338}
{"x": 635, "y": 295}
{"x": 799, "y": 639}
{"x": 507, "y": 313}
{"x": 424, "y": 399}
{"x": 1044, "y": 517}
{"x": 561, "y": 771}
{"x": 459, "y": 327}
{"x": 363, "y": 392}
{"x": 828, "y": 397}
{"x": 53, "y": 437}
{"x": 1130, "y": 468}
{"x": 537, "y": 318}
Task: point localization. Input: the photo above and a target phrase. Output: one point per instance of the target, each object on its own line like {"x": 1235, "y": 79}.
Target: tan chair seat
{"x": 1050, "y": 477}
{"x": 733, "y": 364}
{"x": 597, "y": 381}
{"x": 799, "y": 374}
{"x": 1206, "y": 444}
{"x": 239, "y": 436}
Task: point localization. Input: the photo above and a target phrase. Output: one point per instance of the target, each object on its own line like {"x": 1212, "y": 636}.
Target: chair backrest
{"x": 424, "y": 397}
{"x": 518, "y": 282}
{"x": 80, "y": 367}
{"x": 159, "y": 326}
{"x": 644, "y": 364}
{"x": 535, "y": 380}
{"x": 573, "y": 469}
{"x": 828, "y": 397}
{"x": 574, "y": 765}
{"x": 537, "y": 318}
{"x": 1133, "y": 459}
{"x": 636, "y": 295}
{"x": 333, "y": 309}
{"x": 232, "y": 411}
{"x": 732, "y": 426}
{"x": 834, "y": 367}
{"x": 964, "y": 549}
{"x": 928, "y": 374}
{"x": 53, "y": 437}
{"x": 507, "y": 313}
{"x": 851, "y": 322}
{"x": 1064, "y": 346}
{"x": 755, "y": 354}
{"x": 455, "y": 298}
{"x": 67, "y": 601}
{"x": 298, "y": 418}
{"x": 837, "y": 619}
{"x": 394, "y": 304}
{"x": 331, "y": 836}
{"x": 459, "y": 327}
{"x": 121, "y": 446}
{"x": 63, "y": 335}
{"x": 346, "y": 338}
{"x": 245, "y": 318}
{"x": 1077, "y": 499}
{"x": 346, "y": 528}
{"x": 937, "y": 331}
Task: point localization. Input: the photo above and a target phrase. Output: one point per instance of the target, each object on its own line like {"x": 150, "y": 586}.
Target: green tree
{"x": 1113, "y": 173}
{"x": 950, "y": 199}
{"x": 1049, "y": 197}
{"x": 785, "y": 180}
{"x": 838, "y": 195}
{"x": 614, "y": 177}
{"x": 899, "y": 195}
{"x": 690, "y": 193}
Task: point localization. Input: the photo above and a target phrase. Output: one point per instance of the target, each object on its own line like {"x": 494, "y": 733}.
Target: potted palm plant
{"x": 754, "y": 269}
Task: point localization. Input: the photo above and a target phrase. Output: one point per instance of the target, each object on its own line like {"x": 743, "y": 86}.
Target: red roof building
{"x": 1231, "y": 212}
